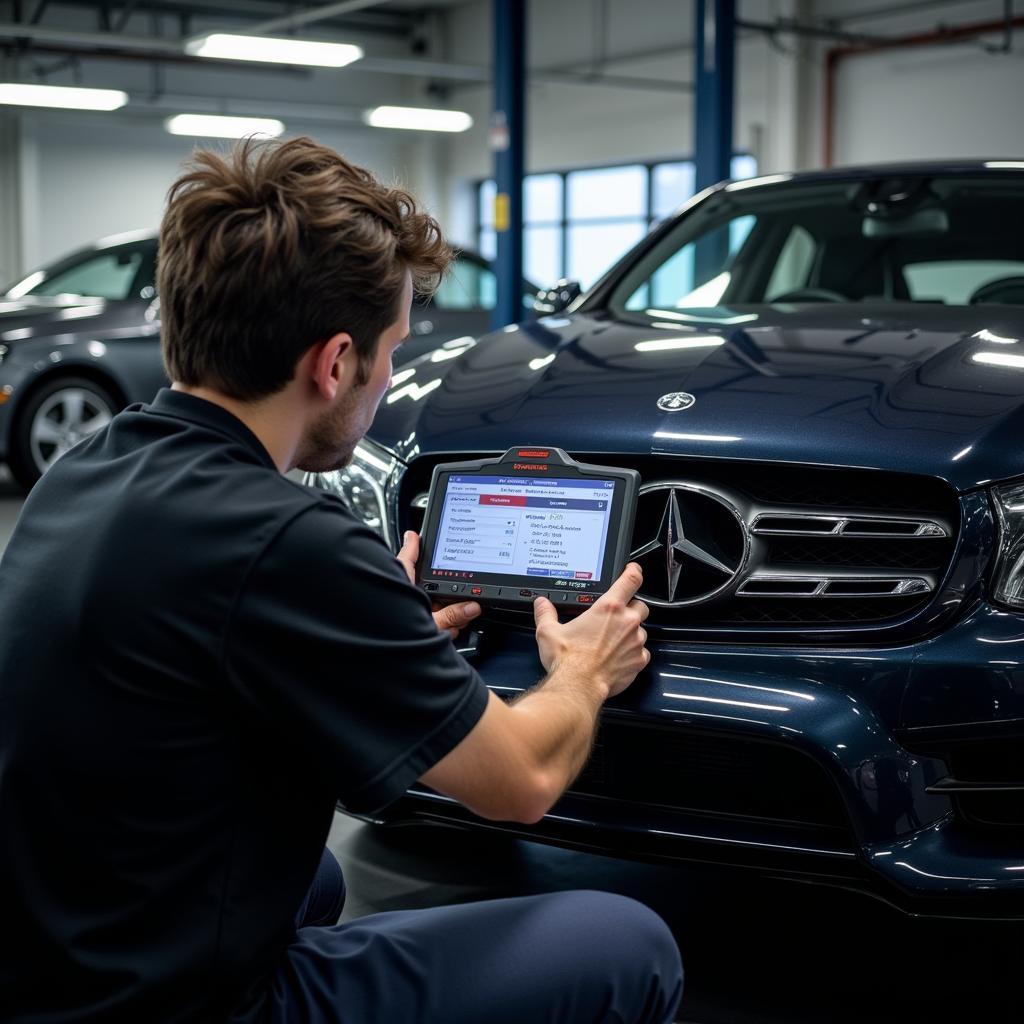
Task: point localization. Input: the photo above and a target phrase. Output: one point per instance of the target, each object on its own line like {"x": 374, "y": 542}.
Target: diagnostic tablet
{"x": 531, "y": 522}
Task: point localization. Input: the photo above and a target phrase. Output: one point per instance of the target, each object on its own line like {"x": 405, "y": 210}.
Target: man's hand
{"x": 520, "y": 757}
{"x": 606, "y": 642}
{"x": 452, "y": 618}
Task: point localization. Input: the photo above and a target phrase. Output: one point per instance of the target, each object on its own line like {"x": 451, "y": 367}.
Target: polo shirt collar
{"x": 183, "y": 406}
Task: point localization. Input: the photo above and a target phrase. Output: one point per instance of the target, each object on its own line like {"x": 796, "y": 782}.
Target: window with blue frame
{"x": 576, "y": 224}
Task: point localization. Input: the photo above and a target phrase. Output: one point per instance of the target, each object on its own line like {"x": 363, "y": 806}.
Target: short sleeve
{"x": 331, "y": 645}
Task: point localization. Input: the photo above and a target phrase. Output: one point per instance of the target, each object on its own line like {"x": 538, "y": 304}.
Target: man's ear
{"x": 333, "y": 365}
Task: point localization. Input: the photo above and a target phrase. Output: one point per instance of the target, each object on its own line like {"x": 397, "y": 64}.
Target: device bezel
{"x": 505, "y": 587}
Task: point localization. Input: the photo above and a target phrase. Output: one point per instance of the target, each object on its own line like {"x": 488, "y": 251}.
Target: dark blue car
{"x": 820, "y": 378}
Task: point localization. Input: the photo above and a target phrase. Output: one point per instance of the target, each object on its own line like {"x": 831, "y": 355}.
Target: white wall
{"x": 579, "y": 125}
{"x": 89, "y": 176}
{"x": 934, "y": 102}
{"x": 75, "y": 177}
{"x": 926, "y": 102}
{"x": 949, "y": 100}
{"x": 86, "y": 178}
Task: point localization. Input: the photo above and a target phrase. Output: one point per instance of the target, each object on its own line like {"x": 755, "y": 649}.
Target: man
{"x": 199, "y": 657}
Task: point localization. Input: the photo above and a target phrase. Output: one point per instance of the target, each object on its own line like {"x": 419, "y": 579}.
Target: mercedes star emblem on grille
{"x": 699, "y": 546}
{"x": 676, "y": 401}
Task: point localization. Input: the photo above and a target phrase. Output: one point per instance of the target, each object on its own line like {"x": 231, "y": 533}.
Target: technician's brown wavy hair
{"x": 276, "y": 247}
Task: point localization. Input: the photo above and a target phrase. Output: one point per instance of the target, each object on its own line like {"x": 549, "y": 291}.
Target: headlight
{"x": 1009, "y": 576}
{"x": 363, "y": 486}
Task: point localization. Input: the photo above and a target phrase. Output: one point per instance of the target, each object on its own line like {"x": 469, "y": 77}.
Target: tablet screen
{"x": 548, "y": 528}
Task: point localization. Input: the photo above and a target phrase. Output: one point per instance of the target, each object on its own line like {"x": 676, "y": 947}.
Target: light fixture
{"x": 423, "y": 119}
{"x": 67, "y": 97}
{"x": 274, "y": 50}
{"x": 217, "y": 126}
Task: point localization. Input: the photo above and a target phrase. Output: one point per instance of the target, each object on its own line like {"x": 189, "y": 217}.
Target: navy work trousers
{"x": 570, "y": 957}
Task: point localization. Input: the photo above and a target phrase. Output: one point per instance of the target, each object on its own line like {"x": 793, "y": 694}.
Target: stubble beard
{"x": 332, "y": 439}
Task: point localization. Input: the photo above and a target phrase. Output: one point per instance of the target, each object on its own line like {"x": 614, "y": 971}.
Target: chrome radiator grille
{"x": 762, "y": 547}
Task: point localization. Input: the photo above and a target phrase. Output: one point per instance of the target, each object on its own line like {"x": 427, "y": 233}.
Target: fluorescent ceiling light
{"x": 71, "y": 98}
{"x": 1005, "y": 165}
{"x": 419, "y": 119}
{"x": 216, "y": 126}
{"x": 273, "y": 50}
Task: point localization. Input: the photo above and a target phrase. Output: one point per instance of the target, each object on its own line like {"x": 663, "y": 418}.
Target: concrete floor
{"x": 756, "y": 951}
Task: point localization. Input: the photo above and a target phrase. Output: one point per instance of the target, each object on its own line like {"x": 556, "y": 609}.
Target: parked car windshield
{"x": 914, "y": 239}
{"x": 471, "y": 285}
{"x": 114, "y": 274}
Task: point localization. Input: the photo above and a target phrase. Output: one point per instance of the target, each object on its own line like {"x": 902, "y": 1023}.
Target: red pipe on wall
{"x": 950, "y": 34}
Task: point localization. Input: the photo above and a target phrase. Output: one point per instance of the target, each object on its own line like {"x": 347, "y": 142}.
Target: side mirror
{"x": 557, "y": 298}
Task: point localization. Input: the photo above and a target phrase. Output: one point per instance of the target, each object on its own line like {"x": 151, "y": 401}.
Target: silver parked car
{"x": 80, "y": 339}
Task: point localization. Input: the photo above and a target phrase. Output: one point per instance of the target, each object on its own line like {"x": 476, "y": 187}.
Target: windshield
{"x": 953, "y": 241}
{"x": 114, "y": 274}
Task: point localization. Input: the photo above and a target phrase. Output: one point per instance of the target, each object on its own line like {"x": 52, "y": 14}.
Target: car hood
{"x": 925, "y": 389}
{"x": 36, "y": 317}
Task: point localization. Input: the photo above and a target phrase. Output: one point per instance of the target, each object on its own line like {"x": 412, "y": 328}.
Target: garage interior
{"x": 581, "y": 125}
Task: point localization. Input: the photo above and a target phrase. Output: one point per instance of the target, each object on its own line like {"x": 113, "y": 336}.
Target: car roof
{"x": 894, "y": 169}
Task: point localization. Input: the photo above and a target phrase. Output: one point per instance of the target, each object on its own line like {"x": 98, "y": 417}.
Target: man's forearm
{"x": 559, "y": 716}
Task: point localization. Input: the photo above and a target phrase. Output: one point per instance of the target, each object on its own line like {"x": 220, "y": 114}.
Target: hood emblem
{"x": 676, "y": 401}
{"x": 687, "y": 569}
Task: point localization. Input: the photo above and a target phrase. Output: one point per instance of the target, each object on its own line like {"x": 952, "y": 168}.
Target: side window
{"x": 957, "y": 281}
{"x": 107, "y": 275}
{"x": 793, "y": 269}
{"x": 467, "y": 286}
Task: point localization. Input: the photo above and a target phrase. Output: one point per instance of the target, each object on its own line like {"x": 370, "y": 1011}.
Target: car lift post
{"x": 715, "y": 76}
{"x": 508, "y": 125}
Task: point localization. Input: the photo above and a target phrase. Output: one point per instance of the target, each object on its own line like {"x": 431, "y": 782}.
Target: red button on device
{"x": 476, "y": 591}
{"x": 585, "y": 599}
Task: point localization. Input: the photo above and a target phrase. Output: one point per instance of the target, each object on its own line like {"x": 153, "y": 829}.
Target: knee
{"x": 326, "y": 897}
{"x": 638, "y": 927}
{"x": 632, "y": 943}
{"x": 621, "y": 918}
{"x": 334, "y": 883}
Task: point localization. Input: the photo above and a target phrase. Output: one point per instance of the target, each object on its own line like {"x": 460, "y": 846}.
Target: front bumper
{"x": 806, "y": 752}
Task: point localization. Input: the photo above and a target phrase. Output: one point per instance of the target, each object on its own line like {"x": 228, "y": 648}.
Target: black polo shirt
{"x": 198, "y": 656}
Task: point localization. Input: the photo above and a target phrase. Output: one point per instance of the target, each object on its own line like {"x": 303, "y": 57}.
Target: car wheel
{"x": 63, "y": 412}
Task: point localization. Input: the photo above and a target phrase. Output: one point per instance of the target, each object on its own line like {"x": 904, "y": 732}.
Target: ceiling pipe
{"x": 936, "y": 37}
{"x": 300, "y": 18}
{"x": 96, "y": 40}
{"x": 107, "y": 46}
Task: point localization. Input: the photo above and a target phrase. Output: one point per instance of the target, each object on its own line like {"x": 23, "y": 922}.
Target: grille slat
{"x": 797, "y": 524}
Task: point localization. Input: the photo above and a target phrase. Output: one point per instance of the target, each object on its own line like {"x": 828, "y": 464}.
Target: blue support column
{"x": 508, "y": 125}
{"x": 715, "y": 79}
{"x": 715, "y": 58}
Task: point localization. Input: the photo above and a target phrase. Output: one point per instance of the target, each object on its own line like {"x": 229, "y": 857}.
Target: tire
{"x": 64, "y": 411}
